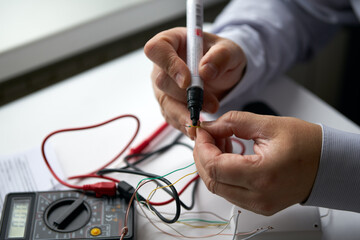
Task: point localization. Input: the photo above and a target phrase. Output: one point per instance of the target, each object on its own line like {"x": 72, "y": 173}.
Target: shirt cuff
{"x": 337, "y": 184}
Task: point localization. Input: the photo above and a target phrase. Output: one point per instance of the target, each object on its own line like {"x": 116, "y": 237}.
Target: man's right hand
{"x": 221, "y": 68}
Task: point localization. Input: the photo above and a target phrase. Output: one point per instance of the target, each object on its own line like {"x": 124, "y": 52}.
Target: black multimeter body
{"x": 64, "y": 215}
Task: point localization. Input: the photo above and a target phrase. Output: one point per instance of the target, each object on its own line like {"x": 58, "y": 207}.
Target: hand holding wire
{"x": 284, "y": 164}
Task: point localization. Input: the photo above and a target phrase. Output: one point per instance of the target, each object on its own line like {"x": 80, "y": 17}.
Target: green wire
{"x": 201, "y": 220}
{"x": 165, "y": 174}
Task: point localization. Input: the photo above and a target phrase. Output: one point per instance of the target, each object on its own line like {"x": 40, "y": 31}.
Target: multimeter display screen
{"x": 18, "y": 216}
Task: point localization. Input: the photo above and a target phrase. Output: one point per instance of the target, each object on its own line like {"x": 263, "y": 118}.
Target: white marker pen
{"x": 194, "y": 22}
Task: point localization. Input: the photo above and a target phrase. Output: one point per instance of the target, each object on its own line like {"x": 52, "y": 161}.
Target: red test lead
{"x": 100, "y": 188}
{"x": 138, "y": 149}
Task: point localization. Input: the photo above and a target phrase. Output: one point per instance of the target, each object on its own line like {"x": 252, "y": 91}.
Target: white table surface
{"x": 123, "y": 86}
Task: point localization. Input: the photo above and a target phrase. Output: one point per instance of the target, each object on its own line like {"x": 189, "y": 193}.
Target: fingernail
{"x": 179, "y": 79}
{"x": 210, "y": 71}
{"x": 206, "y": 123}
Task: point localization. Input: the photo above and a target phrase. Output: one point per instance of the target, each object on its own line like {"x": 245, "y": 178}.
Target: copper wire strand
{"x": 205, "y": 225}
{"x": 174, "y": 235}
{"x": 187, "y": 213}
{"x": 124, "y": 230}
{"x": 251, "y": 233}
{"x": 197, "y": 212}
{"x": 206, "y": 212}
{"x": 192, "y": 126}
{"x": 258, "y": 231}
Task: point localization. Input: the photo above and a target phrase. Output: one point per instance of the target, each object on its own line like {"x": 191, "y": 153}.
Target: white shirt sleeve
{"x": 275, "y": 34}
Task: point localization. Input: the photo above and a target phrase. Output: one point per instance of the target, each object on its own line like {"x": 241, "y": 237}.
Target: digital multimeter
{"x": 64, "y": 215}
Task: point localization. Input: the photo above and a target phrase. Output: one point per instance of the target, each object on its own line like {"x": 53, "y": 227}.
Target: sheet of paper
{"x": 27, "y": 172}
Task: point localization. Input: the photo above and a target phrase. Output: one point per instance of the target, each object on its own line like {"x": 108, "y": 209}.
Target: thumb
{"x": 243, "y": 125}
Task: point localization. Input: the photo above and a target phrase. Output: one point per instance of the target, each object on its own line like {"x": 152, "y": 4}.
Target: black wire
{"x": 160, "y": 151}
{"x": 175, "y": 194}
{"x": 144, "y": 156}
{"x": 149, "y": 154}
{"x": 172, "y": 192}
{"x": 196, "y": 184}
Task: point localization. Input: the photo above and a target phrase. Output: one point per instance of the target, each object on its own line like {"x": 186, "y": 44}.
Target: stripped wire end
{"x": 192, "y": 126}
{"x": 124, "y": 231}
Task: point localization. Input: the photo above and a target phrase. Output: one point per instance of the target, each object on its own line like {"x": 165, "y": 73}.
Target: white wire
{"x": 256, "y": 233}
{"x": 236, "y": 225}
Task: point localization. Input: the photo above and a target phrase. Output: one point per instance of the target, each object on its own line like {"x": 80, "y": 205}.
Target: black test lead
{"x": 194, "y": 22}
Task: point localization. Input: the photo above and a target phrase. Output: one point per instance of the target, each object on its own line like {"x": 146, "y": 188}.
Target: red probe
{"x": 138, "y": 149}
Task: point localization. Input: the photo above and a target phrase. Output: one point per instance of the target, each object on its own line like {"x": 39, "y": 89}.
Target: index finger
{"x": 167, "y": 50}
{"x": 216, "y": 167}
{"x": 243, "y": 125}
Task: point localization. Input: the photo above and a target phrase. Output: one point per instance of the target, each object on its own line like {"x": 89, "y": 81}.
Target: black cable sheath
{"x": 160, "y": 151}
{"x": 149, "y": 154}
{"x": 172, "y": 192}
{"x": 175, "y": 194}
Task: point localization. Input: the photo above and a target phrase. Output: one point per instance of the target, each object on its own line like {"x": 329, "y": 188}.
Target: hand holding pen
{"x": 220, "y": 69}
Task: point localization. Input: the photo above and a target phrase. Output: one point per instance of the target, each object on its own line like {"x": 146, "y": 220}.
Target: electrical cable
{"x": 172, "y": 184}
{"x": 207, "y": 213}
{"x": 221, "y": 221}
{"x": 148, "y": 140}
{"x": 257, "y": 232}
{"x": 102, "y": 187}
{"x": 181, "y": 235}
{"x": 202, "y": 220}
{"x": 147, "y": 155}
{"x": 236, "y": 224}
{"x": 161, "y": 150}
{"x": 182, "y": 204}
{"x": 109, "y": 188}
{"x": 136, "y": 196}
{"x": 249, "y": 234}
{"x": 205, "y": 225}
{"x": 194, "y": 179}
{"x": 175, "y": 194}
{"x": 150, "y": 175}
{"x": 125, "y": 229}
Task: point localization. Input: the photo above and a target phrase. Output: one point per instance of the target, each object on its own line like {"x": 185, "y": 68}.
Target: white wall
{"x": 36, "y": 33}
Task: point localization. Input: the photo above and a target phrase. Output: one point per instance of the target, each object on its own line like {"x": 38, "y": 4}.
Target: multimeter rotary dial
{"x": 64, "y": 215}
{"x": 67, "y": 214}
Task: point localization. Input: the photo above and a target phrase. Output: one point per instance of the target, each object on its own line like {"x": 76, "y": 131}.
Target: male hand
{"x": 221, "y": 68}
{"x": 280, "y": 173}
